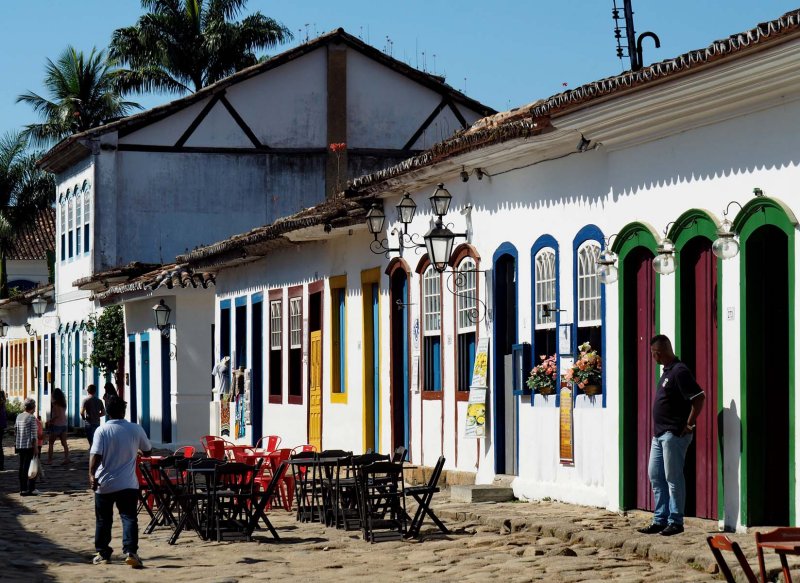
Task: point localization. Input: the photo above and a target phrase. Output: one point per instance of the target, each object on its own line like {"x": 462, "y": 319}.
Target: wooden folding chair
{"x": 382, "y": 501}
{"x": 779, "y": 535}
{"x": 720, "y": 542}
{"x": 423, "y": 496}
{"x": 399, "y": 455}
{"x": 263, "y": 500}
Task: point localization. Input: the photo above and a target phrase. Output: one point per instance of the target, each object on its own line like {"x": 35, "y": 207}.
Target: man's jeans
{"x": 126, "y": 501}
{"x": 667, "y": 456}
{"x": 90, "y": 429}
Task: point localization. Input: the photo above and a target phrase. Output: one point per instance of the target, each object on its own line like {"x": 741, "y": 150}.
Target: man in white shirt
{"x": 112, "y": 475}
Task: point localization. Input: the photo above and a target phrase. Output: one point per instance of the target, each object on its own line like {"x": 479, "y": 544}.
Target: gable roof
{"x": 36, "y": 238}
{"x": 74, "y": 148}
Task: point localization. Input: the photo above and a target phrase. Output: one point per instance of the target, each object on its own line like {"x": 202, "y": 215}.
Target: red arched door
{"x": 639, "y": 383}
{"x": 698, "y": 349}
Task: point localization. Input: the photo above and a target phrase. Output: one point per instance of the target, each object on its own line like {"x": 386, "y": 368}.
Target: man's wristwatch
{"x": 691, "y": 427}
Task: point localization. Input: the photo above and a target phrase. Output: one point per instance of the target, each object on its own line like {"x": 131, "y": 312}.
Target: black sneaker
{"x": 672, "y": 529}
{"x": 652, "y": 528}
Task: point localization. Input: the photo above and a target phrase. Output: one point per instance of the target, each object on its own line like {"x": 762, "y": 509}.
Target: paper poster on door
{"x": 475, "y": 426}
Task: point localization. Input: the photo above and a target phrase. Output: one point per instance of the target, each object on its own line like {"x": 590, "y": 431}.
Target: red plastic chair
{"x": 206, "y": 440}
{"x": 304, "y": 448}
{"x": 185, "y": 451}
{"x": 216, "y": 450}
{"x": 286, "y": 487}
{"x": 269, "y": 443}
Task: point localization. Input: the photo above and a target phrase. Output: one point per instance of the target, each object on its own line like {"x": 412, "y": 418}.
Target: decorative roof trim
{"x": 506, "y": 126}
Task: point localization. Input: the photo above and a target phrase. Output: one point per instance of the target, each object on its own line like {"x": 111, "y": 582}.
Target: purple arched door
{"x": 698, "y": 349}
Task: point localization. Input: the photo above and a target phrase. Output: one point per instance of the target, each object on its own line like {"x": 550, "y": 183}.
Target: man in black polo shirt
{"x": 678, "y": 402}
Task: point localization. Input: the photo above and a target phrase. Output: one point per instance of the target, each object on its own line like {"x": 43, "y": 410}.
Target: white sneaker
{"x": 100, "y": 560}
{"x": 35, "y": 493}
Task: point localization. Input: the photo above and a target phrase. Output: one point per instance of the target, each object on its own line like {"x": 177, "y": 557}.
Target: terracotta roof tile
{"x": 37, "y": 238}
{"x": 171, "y": 276}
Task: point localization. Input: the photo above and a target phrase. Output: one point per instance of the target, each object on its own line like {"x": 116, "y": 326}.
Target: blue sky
{"x": 505, "y": 52}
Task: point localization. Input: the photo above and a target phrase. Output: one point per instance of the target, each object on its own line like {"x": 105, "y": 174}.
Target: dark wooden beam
{"x": 241, "y": 123}
{"x": 199, "y": 119}
{"x": 442, "y": 104}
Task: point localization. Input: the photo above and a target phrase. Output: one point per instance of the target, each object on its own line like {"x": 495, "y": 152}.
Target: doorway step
{"x": 481, "y": 493}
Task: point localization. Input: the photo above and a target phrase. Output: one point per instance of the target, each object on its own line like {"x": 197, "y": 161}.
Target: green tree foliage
{"x": 82, "y": 94}
{"x": 108, "y": 346}
{"x": 24, "y": 191}
{"x": 180, "y": 46}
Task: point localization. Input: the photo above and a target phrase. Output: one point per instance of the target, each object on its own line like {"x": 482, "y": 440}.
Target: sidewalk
{"x": 607, "y": 530}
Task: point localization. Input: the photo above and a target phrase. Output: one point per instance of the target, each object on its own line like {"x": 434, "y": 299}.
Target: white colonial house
{"x": 671, "y": 170}
{"x": 268, "y": 141}
{"x": 27, "y": 329}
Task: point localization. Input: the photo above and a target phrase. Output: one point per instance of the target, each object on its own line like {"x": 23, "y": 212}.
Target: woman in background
{"x": 57, "y": 427}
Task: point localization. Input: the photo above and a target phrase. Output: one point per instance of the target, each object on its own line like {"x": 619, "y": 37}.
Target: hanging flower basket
{"x": 587, "y": 372}
{"x": 542, "y": 379}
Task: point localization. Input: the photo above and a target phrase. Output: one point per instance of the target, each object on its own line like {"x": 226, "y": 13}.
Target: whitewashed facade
{"x": 670, "y": 151}
{"x": 136, "y": 192}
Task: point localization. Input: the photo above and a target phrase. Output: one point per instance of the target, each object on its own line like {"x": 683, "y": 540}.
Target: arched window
{"x": 70, "y": 224}
{"x": 546, "y": 302}
{"x": 589, "y": 299}
{"x": 78, "y": 223}
{"x": 62, "y": 211}
{"x": 466, "y": 321}
{"x": 432, "y": 329}
{"x": 87, "y": 207}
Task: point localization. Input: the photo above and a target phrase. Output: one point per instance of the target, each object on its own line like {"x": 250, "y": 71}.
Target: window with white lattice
{"x": 275, "y": 324}
{"x": 466, "y": 321}
{"x": 432, "y": 328}
{"x": 545, "y": 290}
{"x": 295, "y": 322}
{"x": 589, "y": 298}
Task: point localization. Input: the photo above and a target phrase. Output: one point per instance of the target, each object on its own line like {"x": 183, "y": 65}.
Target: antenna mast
{"x": 633, "y": 50}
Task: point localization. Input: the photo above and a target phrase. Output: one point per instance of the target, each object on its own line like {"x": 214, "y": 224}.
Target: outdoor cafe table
{"x": 782, "y": 548}
{"x": 191, "y": 511}
{"x": 309, "y": 511}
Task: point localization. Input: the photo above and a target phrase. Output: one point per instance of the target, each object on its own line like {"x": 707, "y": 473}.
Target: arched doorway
{"x": 638, "y": 314}
{"x": 767, "y": 377}
{"x": 767, "y": 362}
{"x": 697, "y": 343}
{"x": 398, "y": 324}
{"x": 505, "y": 336}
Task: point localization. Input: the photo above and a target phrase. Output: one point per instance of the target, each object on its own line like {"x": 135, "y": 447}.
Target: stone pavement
{"x": 50, "y": 538}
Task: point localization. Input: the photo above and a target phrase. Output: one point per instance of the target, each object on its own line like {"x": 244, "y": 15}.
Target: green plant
{"x": 13, "y": 408}
{"x": 108, "y": 345}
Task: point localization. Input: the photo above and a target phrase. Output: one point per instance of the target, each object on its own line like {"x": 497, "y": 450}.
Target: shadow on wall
{"x": 730, "y": 440}
{"x": 611, "y": 176}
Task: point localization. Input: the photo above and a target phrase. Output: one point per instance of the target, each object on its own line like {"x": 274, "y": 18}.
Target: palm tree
{"x": 25, "y": 190}
{"x": 82, "y": 95}
{"x": 181, "y": 46}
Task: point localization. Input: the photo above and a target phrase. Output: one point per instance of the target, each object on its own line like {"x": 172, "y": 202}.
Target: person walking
{"x": 112, "y": 476}
{"x": 57, "y": 426}
{"x": 677, "y": 404}
{"x": 108, "y": 392}
{"x": 25, "y": 445}
{"x": 92, "y": 409}
{"x": 3, "y": 427}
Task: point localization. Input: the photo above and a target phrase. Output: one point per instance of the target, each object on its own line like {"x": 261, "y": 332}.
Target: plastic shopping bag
{"x": 34, "y": 469}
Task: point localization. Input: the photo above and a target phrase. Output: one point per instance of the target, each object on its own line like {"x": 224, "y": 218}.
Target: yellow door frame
{"x": 371, "y": 393}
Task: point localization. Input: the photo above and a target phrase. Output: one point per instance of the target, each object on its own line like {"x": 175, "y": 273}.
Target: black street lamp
{"x": 161, "y": 311}
{"x": 440, "y": 200}
{"x": 439, "y": 243}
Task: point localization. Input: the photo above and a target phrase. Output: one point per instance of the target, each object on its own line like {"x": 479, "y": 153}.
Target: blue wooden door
{"x": 376, "y": 374}
{"x": 166, "y": 391}
{"x": 145, "y": 383}
{"x": 133, "y": 410}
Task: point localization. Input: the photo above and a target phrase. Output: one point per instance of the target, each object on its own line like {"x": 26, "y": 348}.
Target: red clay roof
{"x": 36, "y": 239}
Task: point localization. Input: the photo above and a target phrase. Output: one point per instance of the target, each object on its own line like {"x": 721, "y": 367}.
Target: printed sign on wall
{"x": 476, "y": 406}
{"x": 566, "y": 444}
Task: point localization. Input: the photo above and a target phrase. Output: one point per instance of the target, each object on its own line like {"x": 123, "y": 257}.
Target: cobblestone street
{"x": 49, "y": 538}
